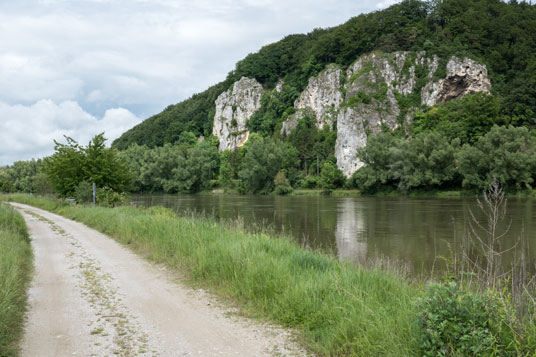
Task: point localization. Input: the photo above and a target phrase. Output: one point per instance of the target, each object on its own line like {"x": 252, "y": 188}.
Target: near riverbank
{"x": 336, "y": 308}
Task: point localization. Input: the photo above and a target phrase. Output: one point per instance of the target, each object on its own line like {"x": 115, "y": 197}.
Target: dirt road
{"x": 90, "y": 296}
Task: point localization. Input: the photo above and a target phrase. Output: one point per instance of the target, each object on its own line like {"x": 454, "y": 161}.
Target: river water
{"x": 414, "y": 231}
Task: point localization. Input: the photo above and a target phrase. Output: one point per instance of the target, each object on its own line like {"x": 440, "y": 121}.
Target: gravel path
{"x": 90, "y": 296}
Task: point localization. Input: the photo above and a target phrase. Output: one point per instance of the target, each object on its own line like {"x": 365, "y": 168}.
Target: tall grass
{"x": 336, "y": 308}
{"x": 15, "y": 270}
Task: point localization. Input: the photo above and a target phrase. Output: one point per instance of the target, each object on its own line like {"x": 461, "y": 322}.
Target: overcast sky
{"x": 80, "y": 67}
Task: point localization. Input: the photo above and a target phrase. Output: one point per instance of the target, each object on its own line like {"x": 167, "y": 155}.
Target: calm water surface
{"x": 410, "y": 230}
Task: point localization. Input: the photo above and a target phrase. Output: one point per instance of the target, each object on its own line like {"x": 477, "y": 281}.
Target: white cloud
{"x": 30, "y": 131}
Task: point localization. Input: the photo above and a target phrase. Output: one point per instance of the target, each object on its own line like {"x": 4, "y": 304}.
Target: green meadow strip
{"x": 336, "y": 308}
{"x": 15, "y": 273}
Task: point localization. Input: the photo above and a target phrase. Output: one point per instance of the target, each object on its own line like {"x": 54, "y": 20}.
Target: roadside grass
{"x": 336, "y": 308}
{"x": 15, "y": 272}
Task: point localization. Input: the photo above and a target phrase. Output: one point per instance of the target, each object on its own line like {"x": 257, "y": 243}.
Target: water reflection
{"x": 350, "y": 231}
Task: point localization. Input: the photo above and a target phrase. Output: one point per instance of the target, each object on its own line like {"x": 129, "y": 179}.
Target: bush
{"x": 458, "y": 322}
{"x": 331, "y": 177}
{"x": 454, "y": 322}
{"x": 310, "y": 182}
{"x": 282, "y": 186}
{"x": 108, "y": 197}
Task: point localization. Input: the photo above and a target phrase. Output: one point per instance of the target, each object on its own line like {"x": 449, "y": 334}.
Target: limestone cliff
{"x": 233, "y": 108}
{"x": 377, "y": 92}
{"x": 379, "y": 88}
{"x": 322, "y": 97}
{"x": 463, "y": 77}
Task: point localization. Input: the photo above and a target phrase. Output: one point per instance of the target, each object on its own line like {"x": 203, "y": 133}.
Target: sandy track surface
{"x": 90, "y": 296}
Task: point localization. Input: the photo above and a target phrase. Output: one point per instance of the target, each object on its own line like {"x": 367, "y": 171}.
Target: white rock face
{"x": 346, "y": 146}
{"x": 322, "y": 97}
{"x": 370, "y": 103}
{"x": 365, "y": 105}
{"x": 463, "y": 77}
{"x": 233, "y": 109}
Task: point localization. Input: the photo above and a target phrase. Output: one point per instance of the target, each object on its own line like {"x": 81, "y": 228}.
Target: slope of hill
{"x": 500, "y": 35}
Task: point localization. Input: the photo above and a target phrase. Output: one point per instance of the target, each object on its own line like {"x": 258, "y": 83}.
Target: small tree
{"x": 72, "y": 164}
{"x": 282, "y": 186}
{"x": 331, "y": 177}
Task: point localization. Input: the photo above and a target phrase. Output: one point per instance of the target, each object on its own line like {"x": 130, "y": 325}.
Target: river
{"x": 416, "y": 232}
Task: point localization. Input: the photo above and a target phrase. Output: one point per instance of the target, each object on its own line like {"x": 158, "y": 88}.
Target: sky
{"x": 82, "y": 67}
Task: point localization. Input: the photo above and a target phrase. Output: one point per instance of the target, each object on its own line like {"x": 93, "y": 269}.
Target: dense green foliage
{"x": 173, "y": 168}
{"x": 15, "y": 274}
{"x": 194, "y": 115}
{"x": 24, "y": 176}
{"x": 466, "y": 119}
{"x": 458, "y": 322}
{"x": 72, "y": 165}
{"x": 430, "y": 161}
{"x": 263, "y": 159}
{"x": 500, "y": 34}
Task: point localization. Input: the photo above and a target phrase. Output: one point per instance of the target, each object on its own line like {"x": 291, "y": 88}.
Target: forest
{"x": 461, "y": 144}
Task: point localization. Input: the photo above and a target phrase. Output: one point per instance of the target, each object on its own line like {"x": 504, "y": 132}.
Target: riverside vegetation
{"x": 336, "y": 308}
{"x": 15, "y": 271}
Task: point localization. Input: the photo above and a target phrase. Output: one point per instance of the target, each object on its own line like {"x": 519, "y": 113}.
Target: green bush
{"x": 331, "y": 177}
{"x": 310, "y": 182}
{"x": 108, "y": 197}
{"x": 507, "y": 154}
{"x": 282, "y": 186}
{"x": 455, "y": 321}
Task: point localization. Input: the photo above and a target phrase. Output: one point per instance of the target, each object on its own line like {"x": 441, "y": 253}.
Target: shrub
{"x": 108, "y": 197}
{"x": 331, "y": 177}
{"x": 310, "y": 182}
{"x": 282, "y": 186}
{"x": 454, "y": 322}
{"x": 507, "y": 154}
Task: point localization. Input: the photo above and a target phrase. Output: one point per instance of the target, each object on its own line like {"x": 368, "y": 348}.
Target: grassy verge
{"x": 336, "y": 308}
{"x": 320, "y": 192}
{"x": 15, "y": 271}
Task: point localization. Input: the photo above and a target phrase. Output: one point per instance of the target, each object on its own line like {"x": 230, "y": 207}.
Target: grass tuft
{"x": 15, "y": 272}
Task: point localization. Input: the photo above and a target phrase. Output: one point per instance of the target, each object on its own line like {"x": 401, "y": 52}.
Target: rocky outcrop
{"x": 377, "y": 92}
{"x": 233, "y": 109}
{"x": 463, "y": 77}
{"x": 378, "y": 89}
{"x": 322, "y": 98}
{"x": 370, "y": 104}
